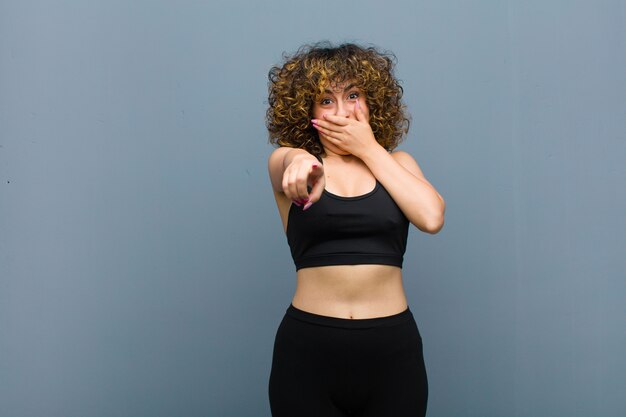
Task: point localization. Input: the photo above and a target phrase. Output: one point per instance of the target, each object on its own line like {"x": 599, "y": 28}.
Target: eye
{"x": 353, "y": 95}
{"x": 325, "y": 101}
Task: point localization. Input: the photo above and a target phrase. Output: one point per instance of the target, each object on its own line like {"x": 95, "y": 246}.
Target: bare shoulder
{"x": 408, "y": 162}
{"x": 277, "y": 156}
{"x": 275, "y": 167}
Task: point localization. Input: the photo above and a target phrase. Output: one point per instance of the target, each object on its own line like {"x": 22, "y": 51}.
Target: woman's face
{"x": 339, "y": 100}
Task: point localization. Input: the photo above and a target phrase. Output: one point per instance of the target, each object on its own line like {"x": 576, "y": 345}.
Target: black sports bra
{"x": 336, "y": 230}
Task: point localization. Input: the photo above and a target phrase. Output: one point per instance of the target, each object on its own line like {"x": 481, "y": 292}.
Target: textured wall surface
{"x": 143, "y": 270}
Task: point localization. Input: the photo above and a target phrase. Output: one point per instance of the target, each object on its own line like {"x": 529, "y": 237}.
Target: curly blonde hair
{"x": 302, "y": 79}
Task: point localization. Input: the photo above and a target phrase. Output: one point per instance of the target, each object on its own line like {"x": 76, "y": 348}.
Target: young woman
{"x": 348, "y": 344}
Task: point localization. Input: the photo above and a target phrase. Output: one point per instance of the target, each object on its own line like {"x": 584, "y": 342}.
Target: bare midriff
{"x": 351, "y": 291}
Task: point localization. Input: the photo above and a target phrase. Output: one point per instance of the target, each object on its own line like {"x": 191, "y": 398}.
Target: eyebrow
{"x": 350, "y": 86}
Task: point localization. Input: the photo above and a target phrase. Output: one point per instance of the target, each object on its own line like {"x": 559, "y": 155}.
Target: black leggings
{"x": 332, "y": 367}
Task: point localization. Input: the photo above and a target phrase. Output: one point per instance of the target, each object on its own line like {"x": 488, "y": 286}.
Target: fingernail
{"x": 315, "y": 165}
{"x": 314, "y": 121}
{"x": 296, "y": 203}
{"x": 307, "y": 206}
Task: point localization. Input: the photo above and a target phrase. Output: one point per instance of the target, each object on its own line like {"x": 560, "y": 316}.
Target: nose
{"x": 343, "y": 110}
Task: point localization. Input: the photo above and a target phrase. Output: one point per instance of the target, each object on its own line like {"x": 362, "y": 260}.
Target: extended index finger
{"x": 317, "y": 185}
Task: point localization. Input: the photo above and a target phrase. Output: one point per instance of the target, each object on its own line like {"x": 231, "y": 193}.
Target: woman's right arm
{"x": 293, "y": 172}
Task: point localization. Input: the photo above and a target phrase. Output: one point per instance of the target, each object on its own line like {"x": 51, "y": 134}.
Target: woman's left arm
{"x": 404, "y": 181}
{"x": 397, "y": 172}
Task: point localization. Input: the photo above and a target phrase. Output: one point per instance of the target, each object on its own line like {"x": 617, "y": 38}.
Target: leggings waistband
{"x": 386, "y": 321}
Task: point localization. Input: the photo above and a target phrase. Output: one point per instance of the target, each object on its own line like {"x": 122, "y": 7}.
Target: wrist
{"x": 371, "y": 153}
